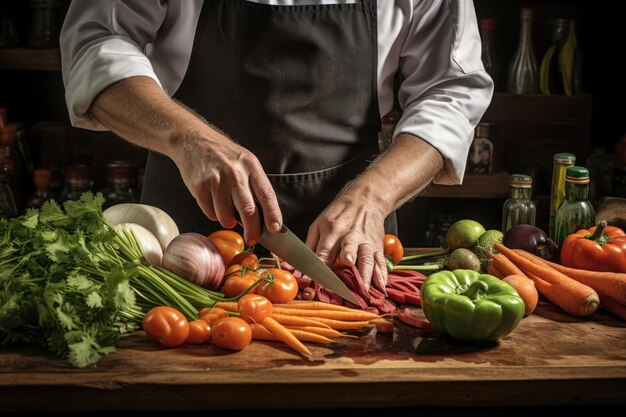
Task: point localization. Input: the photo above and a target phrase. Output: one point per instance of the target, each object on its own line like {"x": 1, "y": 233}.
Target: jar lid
{"x": 577, "y": 175}
{"x": 564, "y": 157}
{"x": 521, "y": 181}
{"x": 42, "y": 177}
{"x": 120, "y": 172}
{"x": 8, "y": 134}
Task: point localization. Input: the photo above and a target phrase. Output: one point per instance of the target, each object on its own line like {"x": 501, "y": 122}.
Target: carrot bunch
{"x": 310, "y": 321}
{"x": 577, "y": 291}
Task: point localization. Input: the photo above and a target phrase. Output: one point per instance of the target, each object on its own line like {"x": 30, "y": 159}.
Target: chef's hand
{"x": 352, "y": 230}
{"x": 223, "y": 177}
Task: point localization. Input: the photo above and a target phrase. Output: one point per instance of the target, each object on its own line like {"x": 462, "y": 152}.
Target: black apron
{"x": 296, "y": 85}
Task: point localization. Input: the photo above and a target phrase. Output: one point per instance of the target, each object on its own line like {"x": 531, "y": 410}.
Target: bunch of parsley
{"x": 72, "y": 284}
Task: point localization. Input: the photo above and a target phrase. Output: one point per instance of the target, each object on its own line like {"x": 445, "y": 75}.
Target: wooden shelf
{"x": 536, "y": 108}
{"x": 474, "y": 186}
{"x": 30, "y": 59}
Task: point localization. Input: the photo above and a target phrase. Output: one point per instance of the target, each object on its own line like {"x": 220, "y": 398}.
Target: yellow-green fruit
{"x": 464, "y": 234}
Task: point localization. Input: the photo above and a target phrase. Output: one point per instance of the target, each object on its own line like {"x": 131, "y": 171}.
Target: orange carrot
{"x": 572, "y": 296}
{"x": 612, "y": 306}
{"x": 319, "y": 330}
{"x": 492, "y": 270}
{"x": 525, "y": 287}
{"x": 260, "y": 332}
{"x": 345, "y": 325}
{"x": 228, "y": 305}
{"x": 613, "y": 283}
{"x": 298, "y": 321}
{"x": 285, "y": 336}
{"x": 314, "y": 305}
{"x": 353, "y": 315}
{"x": 504, "y": 264}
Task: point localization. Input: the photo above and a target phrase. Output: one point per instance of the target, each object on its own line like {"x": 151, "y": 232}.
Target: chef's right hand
{"x": 223, "y": 176}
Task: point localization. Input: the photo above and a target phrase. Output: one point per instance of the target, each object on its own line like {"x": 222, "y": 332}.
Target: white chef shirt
{"x": 434, "y": 43}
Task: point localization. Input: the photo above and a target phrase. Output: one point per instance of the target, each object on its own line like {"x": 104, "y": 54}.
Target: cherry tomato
{"x": 167, "y": 325}
{"x": 238, "y": 279}
{"x": 245, "y": 258}
{"x": 253, "y": 308}
{"x": 280, "y": 288}
{"x": 228, "y": 242}
{"x": 393, "y": 248}
{"x": 231, "y": 333}
{"x": 212, "y": 314}
{"x": 199, "y": 332}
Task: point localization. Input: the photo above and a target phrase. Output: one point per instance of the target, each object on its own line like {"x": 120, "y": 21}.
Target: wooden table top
{"x": 551, "y": 358}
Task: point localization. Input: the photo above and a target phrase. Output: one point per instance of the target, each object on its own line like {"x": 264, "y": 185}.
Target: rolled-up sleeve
{"x": 445, "y": 89}
{"x": 103, "y": 42}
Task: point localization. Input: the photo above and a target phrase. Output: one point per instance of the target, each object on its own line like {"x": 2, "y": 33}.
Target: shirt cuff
{"x": 101, "y": 65}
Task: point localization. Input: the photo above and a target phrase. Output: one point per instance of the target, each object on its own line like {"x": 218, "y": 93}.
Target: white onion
{"x": 152, "y": 218}
{"x": 194, "y": 257}
{"x": 148, "y": 243}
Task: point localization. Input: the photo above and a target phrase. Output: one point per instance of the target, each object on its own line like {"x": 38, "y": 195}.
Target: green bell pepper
{"x": 471, "y": 306}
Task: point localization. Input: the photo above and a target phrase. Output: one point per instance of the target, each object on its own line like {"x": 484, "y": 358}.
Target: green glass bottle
{"x": 519, "y": 208}
{"x": 576, "y": 212}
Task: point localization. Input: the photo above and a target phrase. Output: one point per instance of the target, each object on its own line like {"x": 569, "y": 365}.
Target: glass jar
{"x": 41, "y": 178}
{"x": 8, "y": 208}
{"x": 121, "y": 185}
{"x": 576, "y": 212}
{"x": 43, "y": 31}
{"x": 77, "y": 182}
{"x": 519, "y": 208}
{"x": 560, "y": 162}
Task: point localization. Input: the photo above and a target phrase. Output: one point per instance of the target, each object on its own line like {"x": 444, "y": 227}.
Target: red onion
{"x": 194, "y": 257}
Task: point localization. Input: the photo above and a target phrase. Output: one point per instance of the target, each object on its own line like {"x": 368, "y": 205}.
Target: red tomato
{"x": 199, "y": 332}
{"x": 238, "y": 279}
{"x": 231, "y": 333}
{"x": 212, "y": 314}
{"x": 280, "y": 287}
{"x": 253, "y": 308}
{"x": 228, "y": 242}
{"x": 167, "y": 325}
{"x": 393, "y": 248}
{"x": 245, "y": 258}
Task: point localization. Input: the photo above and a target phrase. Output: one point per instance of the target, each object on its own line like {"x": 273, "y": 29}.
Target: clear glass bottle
{"x": 8, "y": 208}
{"x": 77, "y": 182}
{"x": 523, "y": 76}
{"x": 519, "y": 208}
{"x": 121, "y": 185}
{"x": 560, "y": 162}
{"x": 489, "y": 56}
{"x": 576, "y": 212}
{"x": 41, "y": 178}
{"x": 550, "y": 77}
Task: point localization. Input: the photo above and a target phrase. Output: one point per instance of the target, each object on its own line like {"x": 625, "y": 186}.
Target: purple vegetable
{"x": 531, "y": 239}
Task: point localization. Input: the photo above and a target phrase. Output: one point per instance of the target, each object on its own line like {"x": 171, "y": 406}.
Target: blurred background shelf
{"x": 494, "y": 185}
{"x": 30, "y": 59}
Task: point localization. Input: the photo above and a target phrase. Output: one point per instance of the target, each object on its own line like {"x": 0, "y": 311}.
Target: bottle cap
{"x": 564, "y": 157}
{"x": 526, "y": 12}
{"x": 487, "y": 24}
{"x": 577, "y": 175}
{"x": 521, "y": 181}
{"x": 77, "y": 172}
{"x": 42, "y": 177}
{"x": 8, "y": 134}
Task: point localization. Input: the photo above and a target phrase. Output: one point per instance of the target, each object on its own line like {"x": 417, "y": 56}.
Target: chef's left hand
{"x": 352, "y": 230}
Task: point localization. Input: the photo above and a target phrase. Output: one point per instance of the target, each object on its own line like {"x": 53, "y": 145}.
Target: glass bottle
{"x": 121, "y": 185}
{"x": 523, "y": 77}
{"x": 550, "y": 77}
{"x": 77, "y": 181}
{"x": 10, "y": 161}
{"x": 560, "y": 162}
{"x": 489, "y": 56}
{"x": 570, "y": 61}
{"x": 519, "y": 208}
{"x": 8, "y": 208}
{"x": 576, "y": 212}
{"x": 41, "y": 178}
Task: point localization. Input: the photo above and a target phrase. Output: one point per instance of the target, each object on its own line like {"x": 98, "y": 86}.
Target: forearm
{"x": 399, "y": 174}
{"x": 137, "y": 110}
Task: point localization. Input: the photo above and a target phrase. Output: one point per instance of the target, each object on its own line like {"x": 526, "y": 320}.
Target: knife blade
{"x": 295, "y": 252}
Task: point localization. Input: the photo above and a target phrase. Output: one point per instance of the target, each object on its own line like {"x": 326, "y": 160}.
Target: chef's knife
{"x": 295, "y": 252}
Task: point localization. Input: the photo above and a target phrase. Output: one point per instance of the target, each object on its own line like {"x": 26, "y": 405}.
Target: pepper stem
{"x": 599, "y": 229}
{"x": 475, "y": 289}
{"x": 425, "y": 255}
